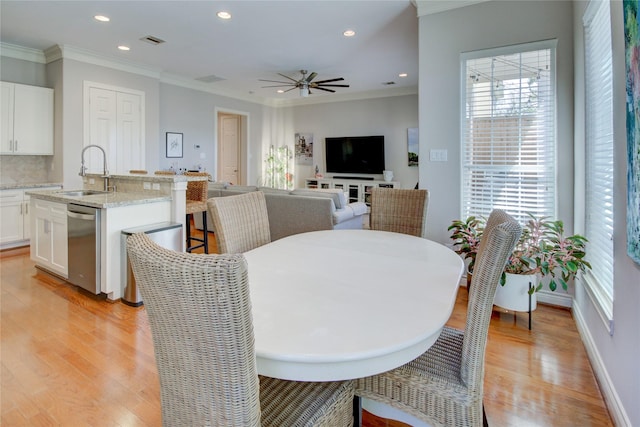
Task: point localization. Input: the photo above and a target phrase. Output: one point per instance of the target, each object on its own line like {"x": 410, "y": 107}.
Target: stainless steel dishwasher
{"x": 83, "y": 237}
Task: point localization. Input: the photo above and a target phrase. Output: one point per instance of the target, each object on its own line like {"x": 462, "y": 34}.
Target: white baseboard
{"x": 611, "y": 398}
{"x": 555, "y": 298}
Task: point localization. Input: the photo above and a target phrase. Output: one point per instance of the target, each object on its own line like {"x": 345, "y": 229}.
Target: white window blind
{"x": 599, "y": 147}
{"x": 509, "y": 131}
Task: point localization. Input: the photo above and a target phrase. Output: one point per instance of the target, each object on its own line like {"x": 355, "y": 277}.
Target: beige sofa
{"x": 298, "y": 211}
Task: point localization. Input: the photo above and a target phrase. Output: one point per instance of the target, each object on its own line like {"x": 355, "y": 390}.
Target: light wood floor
{"x": 70, "y": 359}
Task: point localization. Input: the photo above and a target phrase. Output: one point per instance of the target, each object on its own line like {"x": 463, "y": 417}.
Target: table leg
{"x": 357, "y": 411}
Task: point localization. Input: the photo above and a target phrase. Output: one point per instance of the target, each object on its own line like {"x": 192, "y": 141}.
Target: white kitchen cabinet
{"x": 12, "y": 214}
{"x": 15, "y": 224}
{"x": 49, "y": 235}
{"x": 27, "y": 120}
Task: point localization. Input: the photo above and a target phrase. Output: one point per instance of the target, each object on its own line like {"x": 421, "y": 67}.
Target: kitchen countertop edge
{"x": 25, "y": 185}
{"x": 101, "y": 201}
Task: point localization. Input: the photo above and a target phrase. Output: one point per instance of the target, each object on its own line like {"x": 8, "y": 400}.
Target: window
{"x": 509, "y": 131}
{"x": 599, "y": 155}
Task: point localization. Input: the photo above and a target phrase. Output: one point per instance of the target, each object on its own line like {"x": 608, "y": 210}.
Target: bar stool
{"x": 197, "y": 202}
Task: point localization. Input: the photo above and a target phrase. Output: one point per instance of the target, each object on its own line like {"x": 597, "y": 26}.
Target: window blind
{"x": 509, "y": 136}
{"x": 599, "y": 145}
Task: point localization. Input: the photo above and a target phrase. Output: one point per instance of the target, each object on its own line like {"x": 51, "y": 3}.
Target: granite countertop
{"x": 101, "y": 200}
{"x": 17, "y": 185}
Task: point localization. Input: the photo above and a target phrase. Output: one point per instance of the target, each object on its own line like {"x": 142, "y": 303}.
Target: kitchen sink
{"x": 80, "y": 193}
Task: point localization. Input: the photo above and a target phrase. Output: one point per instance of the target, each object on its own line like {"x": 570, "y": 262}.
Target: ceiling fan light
{"x": 304, "y": 91}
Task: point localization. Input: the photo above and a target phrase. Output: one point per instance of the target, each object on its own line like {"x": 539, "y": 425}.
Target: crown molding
{"x": 342, "y": 97}
{"x": 83, "y": 55}
{"x": 20, "y": 52}
{"x": 58, "y": 52}
{"x": 430, "y": 7}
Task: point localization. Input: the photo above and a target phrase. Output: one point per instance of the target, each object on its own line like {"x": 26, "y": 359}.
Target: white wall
{"x": 442, "y": 38}
{"x": 615, "y": 358}
{"x": 390, "y": 116}
{"x": 193, "y": 113}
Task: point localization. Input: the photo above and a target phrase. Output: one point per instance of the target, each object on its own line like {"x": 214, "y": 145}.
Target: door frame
{"x": 243, "y": 156}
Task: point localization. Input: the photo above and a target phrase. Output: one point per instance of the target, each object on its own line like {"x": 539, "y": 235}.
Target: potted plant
{"x": 543, "y": 250}
{"x": 466, "y": 236}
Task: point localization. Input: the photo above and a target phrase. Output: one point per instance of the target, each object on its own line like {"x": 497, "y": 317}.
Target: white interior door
{"x": 102, "y": 129}
{"x": 229, "y": 148}
{"x": 115, "y": 122}
{"x": 129, "y": 142}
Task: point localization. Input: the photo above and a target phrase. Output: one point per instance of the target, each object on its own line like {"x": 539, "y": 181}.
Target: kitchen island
{"x": 139, "y": 200}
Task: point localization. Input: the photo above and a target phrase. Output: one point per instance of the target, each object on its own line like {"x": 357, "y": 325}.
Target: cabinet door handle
{"x": 21, "y": 210}
{"x": 11, "y": 145}
{"x": 15, "y": 145}
{"x": 46, "y": 226}
{"x": 26, "y": 208}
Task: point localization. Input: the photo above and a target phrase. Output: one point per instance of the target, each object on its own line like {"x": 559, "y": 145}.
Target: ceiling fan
{"x": 305, "y": 84}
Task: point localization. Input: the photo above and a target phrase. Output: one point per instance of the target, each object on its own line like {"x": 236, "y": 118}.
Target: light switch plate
{"x": 438, "y": 155}
{"x": 156, "y": 186}
{"x": 146, "y": 186}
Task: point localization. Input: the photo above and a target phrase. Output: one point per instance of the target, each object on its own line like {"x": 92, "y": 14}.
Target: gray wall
{"x": 442, "y": 38}
{"x": 390, "y": 116}
{"x": 615, "y": 358}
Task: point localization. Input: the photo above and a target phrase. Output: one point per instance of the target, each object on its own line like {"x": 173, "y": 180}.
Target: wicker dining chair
{"x": 199, "y": 311}
{"x": 138, "y": 171}
{"x": 399, "y": 210}
{"x": 169, "y": 172}
{"x": 197, "y": 203}
{"x": 444, "y": 386}
{"x": 241, "y": 222}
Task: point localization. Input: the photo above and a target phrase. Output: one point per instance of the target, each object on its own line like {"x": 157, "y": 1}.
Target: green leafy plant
{"x": 542, "y": 249}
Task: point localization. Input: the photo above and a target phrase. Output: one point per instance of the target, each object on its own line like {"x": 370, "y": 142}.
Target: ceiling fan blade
{"x": 295, "y": 87}
{"x": 318, "y": 85}
{"x": 330, "y": 80}
{"x": 287, "y": 77}
{"x": 274, "y": 81}
{"x": 311, "y": 77}
{"x": 321, "y": 88}
{"x": 284, "y": 85}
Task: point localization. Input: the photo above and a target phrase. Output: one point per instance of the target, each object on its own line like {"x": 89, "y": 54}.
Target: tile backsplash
{"x": 24, "y": 169}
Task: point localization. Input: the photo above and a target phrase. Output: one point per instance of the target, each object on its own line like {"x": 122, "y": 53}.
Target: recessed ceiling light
{"x": 280, "y": 91}
{"x": 402, "y": 75}
{"x": 123, "y": 47}
{"x": 101, "y": 18}
{"x": 349, "y": 33}
{"x": 223, "y": 15}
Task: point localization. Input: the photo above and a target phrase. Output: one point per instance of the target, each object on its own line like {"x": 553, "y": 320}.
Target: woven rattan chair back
{"x": 399, "y": 210}
{"x": 241, "y": 222}
{"x": 444, "y": 386}
{"x": 138, "y": 171}
{"x": 197, "y": 203}
{"x": 165, "y": 172}
{"x": 199, "y": 311}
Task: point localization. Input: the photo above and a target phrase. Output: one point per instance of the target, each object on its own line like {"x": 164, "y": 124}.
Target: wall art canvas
{"x": 632, "y": 62}
{"x": 412, "y": 149}
{"x": 304, "y": 149}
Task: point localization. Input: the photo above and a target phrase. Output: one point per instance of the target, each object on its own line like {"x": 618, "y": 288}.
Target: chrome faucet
{"x": 105, "y": 172}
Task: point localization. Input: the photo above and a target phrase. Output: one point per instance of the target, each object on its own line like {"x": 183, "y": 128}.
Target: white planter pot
{"x": 514, "y": 295}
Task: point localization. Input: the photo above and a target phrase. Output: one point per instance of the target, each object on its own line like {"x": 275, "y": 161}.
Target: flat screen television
{"x": 355, "y": 154}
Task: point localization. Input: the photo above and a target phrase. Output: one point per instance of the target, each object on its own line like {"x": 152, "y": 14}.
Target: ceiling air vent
{"x": 210, "y": 79}
{"x": 152, "y": 40}
{"x": 388, "y": 83}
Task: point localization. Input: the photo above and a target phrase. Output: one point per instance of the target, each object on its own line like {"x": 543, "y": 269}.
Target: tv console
{"x": 357, "y": 189}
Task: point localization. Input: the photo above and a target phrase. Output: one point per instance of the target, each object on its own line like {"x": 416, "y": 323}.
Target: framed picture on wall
{"x": 174, "y": 144}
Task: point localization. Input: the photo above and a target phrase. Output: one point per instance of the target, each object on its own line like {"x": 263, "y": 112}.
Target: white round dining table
{"x": 344, "y": 304}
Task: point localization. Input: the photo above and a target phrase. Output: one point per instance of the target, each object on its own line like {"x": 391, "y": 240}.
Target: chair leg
{"x": 188, "y": 232}
{"x": 485, "y": 423}
{"x": 204, "y": 231}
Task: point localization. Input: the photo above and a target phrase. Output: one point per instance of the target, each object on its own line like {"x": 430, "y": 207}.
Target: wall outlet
{"x": 146, "y": 185}
{"x": 438, "y": 155}
{"x": 92, "y": 181}
{"x": 156, "y": 186}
